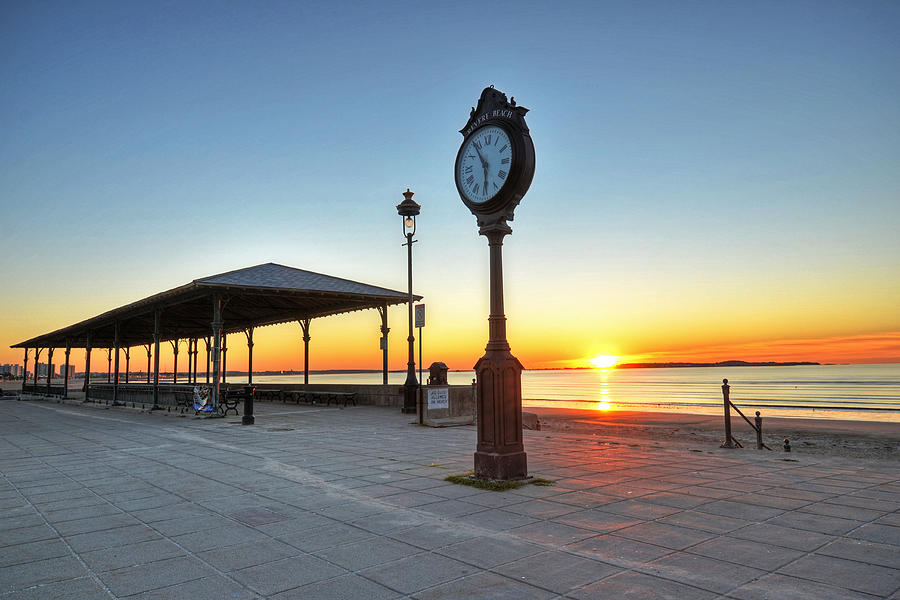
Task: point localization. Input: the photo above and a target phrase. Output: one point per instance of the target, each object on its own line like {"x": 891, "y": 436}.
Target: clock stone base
{"x": 500, "y": 453}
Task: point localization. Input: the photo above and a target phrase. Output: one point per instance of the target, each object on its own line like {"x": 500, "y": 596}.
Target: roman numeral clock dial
{"x": 484, "y": 163}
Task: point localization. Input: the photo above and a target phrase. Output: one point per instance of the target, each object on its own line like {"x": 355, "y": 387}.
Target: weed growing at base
{"x": 493, "y": 485}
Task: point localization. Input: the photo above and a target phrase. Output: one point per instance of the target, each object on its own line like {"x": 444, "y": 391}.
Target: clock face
{"x": 484, "y": 163}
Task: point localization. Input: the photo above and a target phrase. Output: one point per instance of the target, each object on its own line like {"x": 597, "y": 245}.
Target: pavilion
{"x": 208, "y": 309}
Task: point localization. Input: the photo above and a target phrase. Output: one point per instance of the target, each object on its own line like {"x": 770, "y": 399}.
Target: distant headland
{"x": 724, "y": 363}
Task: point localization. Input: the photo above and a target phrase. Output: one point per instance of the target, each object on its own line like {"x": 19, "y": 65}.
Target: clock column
{"x": 500, "y": 453}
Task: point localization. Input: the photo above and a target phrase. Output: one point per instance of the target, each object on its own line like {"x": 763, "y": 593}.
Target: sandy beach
{"x": 869, "y": 439}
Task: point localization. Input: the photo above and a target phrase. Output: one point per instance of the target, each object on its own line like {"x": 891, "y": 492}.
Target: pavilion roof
{"x": 265, "y": 294}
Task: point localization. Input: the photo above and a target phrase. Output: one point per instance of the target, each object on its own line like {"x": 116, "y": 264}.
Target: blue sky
{"x": 693, "y": 159}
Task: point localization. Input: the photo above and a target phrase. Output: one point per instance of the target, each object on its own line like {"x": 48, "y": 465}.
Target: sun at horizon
{"x": 604, "y": 361}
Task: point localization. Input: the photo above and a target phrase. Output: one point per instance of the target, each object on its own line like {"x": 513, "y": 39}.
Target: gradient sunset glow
{"x": 715, "y": 181}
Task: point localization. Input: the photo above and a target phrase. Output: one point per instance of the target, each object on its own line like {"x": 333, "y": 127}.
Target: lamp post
{"x": 408, "y": 209}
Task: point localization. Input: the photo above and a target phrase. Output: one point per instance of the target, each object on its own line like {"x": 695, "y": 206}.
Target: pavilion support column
{"x": 247, "y": 418}
{"x": 175, "y": 343}
{"x": 206, "y": 341}
{"x": 66, "y": 376}
{"x": 196, "y": 341}
{"x": 147, "y": 348}
{"x": 249, "y": 333}
{"x": 87, "y": 368}
{"x": 224, "y": 357}
{"x": 25, "y": 370}
{"x": 304, "y": 323}
{"x": 382, "y": 310}
{"x": 189, "y": 349}
{"x": 49, "y": 367}
{"x": 157, "y": 317}
{"x": 37, "y": 354}
{"x": 109, "y": 365}
{"x": 116, "y": 381}
{"x": 127, "y": 362}
{"x": 217, "y": 324}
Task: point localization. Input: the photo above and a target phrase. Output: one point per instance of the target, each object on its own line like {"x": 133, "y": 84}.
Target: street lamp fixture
{"x": 408, "y": 209}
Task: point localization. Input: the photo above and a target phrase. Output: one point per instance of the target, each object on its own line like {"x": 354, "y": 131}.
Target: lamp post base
{"x": 409, "y": 398}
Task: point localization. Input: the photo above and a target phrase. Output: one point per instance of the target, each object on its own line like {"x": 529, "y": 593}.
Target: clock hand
{"x": 484, "y": 163}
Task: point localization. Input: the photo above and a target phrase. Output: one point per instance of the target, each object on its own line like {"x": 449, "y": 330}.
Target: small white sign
{"x": 420, "y": 315}
{"x": 438, "y": 398}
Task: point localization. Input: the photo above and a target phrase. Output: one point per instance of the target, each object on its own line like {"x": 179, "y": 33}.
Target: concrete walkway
{"x": 321, "y": 503}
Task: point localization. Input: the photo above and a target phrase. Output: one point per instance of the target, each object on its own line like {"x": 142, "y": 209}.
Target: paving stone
{"x": 702, "y": 572}
{"x": 326, "y": 537}
{"x": 214, "y": 588}
{"x": 775, "y": 586}
{"x": 278, "y": 576}
{"x": 675, "y": 500}
{"x": 863, "y": 551}
{"x": 29, "y": 519}
{"x": 817, "y": 523}
{"x": 233, "y": 558}
{"x": 551, "y": 533}
{"x": 785, "y": 537}
{"x": 618, "y": 550}
{"x": 346, "y": 587}
{"x": 853, "y": 575}
{"x": 17, "y": 577}
{"x": 367, "y": 553}
{"x": 845, "y": 512}
{"x": 875, "y": 532}
{"x": 746, "y": 552}
{"x": 739, "y": 510}
{"x": 418, "y": 572}
{"x": 542, "y": 509}
{"x": 226, "y": 535}
{"x": 32, "y": 551}
{"x": 640, "y": 586}
{"x": 432, "y": 536}
{"x": 662, "y": 534}
{"x": 83, "y": 588}
{"x": 484, "y": 586}
{"x": 85, "y": 542}
{"x": 451, "y": 508}
{"x": 68, "y": 528}
{"x": 704, "y": 521}
{"x": 109, "y": 559}
{"x": 24, "y": 535}
{"x": 498, "y": 520}
{"x": 488, "y": 552}
{"x": 598, "y": 521}
{"x": 558, "y": 572}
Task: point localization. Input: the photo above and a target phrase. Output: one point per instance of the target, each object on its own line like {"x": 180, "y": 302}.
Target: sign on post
{"x": 438, "y": 398}
{"x": 420, "y": 315}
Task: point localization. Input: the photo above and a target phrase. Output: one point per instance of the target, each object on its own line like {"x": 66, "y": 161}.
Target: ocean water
{"x": 855, "y": 392}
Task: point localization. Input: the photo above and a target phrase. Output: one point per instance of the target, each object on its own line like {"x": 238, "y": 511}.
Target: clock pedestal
{"x": 500, "y": 453}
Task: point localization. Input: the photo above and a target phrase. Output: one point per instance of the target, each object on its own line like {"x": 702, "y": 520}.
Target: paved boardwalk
{"x": 321, "y": 503}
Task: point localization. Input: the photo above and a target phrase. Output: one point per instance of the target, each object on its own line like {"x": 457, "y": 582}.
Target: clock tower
{"x": 493, "y": 171}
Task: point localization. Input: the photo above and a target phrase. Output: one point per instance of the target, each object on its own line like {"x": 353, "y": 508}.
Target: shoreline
{"x": 833, "y": 437}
